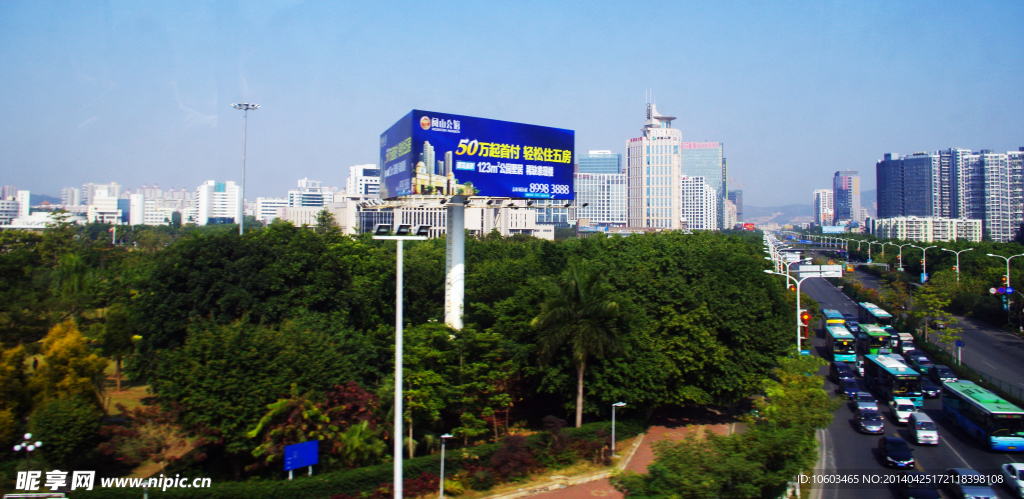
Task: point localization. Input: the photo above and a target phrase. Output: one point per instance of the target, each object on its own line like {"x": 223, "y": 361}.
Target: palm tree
{"x": 578, "y": 313}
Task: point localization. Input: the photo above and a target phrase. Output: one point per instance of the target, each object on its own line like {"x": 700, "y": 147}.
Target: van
{"x": 923, "y": 429}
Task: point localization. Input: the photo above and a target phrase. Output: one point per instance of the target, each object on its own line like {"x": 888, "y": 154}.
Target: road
{"x": 986, "y": 349}
{"x": 846, "y": 451}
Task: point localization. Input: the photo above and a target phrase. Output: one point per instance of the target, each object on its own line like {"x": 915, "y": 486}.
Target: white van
{"x": 923, "y": 429}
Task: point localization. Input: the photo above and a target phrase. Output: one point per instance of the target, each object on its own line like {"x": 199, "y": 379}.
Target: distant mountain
{"x": 37, "y": 199}
{"x": 778, "y": 214}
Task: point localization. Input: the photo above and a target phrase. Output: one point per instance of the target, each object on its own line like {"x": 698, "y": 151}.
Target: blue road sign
{"x": 1001, "y": 290}
{"x": 805, "y": 352}
{"x": 1009, "y": 290}
{"x": 301, "y": 455}
{"x": 959, "y": 343}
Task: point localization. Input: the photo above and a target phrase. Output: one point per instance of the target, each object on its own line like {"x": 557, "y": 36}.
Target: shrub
{"x": 68, "y": 428}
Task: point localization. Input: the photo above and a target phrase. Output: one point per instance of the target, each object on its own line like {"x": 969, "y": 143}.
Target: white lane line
{"x": 989, "y": 365}
{"x": 962, "y": 460}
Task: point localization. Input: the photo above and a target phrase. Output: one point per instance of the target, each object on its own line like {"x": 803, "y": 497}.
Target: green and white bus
{"x": 869, "y": 313}
{"x": 891, "y": 379}
{"x": 873, "y": 340}
{"x": 841, "y": 343}
{"x": 993, "y": 421}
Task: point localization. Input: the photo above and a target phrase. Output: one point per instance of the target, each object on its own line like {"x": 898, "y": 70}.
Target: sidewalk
{"x": 639, "y": 460}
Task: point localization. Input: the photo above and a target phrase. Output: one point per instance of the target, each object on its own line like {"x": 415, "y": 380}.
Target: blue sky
{"x": 140, "y": 92}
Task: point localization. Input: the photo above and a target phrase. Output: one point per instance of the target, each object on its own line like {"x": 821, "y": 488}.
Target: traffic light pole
{"x": 798, "y": 282}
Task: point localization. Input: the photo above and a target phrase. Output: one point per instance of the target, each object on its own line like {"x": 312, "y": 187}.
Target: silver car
{"x": 962, "y": 483}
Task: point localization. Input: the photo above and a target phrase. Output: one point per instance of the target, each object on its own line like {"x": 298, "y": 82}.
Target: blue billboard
{"x": 301, "y": 455}
{"x": 833, "y": 229}
{"x": 427, "y": 153}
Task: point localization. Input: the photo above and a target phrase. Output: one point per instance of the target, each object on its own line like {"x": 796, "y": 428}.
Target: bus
{"x": 873, "y": 314}
{"x": 891, "y": 379}
{"x": 873, "y": 340}
{"x": 996, "y": 423}
{"x": 841, "y": 343}
{"x": 831, "y": 317}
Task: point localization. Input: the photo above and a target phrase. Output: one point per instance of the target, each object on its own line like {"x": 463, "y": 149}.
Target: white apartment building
{"x": 604, "y": 195}
{"x": 112, "y": 189}
{"x": 928, "y": 229}
{"x": 730, "y": 217}
{"x": 218, "y": 202}
{"x": 363, "y": 180}
{"x": 653, "y": 169}
{"x": 8, "y": 211}
{"x": 70, "y": 196}
{"x": 270, "y": 209}
{"x": 103, "y": 207}
{"x": 311, "y": 193}
{"x": 699, "y": 206}
{"x": 136, "y": 209}
{"x": 824, "y": 214}
{"x": 24, "y": 204}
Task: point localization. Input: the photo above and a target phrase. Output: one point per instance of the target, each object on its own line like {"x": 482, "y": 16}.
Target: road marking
{"x": 989, "y": 365}
{"x": 962, "y": 460}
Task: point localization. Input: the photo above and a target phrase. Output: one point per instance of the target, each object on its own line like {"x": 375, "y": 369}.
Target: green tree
{"x": 117, "y": 339}
{"x": 326, "y": 222}
{"x": 579, "y": 313}
{"x": 68, "y": 427}
{"x": 71, "y": 368}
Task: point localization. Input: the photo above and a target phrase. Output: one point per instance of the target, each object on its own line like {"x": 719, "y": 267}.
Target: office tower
{"x": 700, "y": 204}
{"x": 823, "y": 211}
{"x": 218, "y": 203}
{"x": 846, "y": 196}
{"x": 310, "y": 193}
{"x": 736, "y": 197}
{"x": 136, "y": 209}
{"x": 70, "y": 196}
{"x": 910, "y": 185}
{"x": 8, "y": 211}
{"x": 599, "y": 162}
{"x": 996, "y": 198}
{"x": 730, "y": 215}
{"x": 104, "y": 206}
{"x": 704, "y": 159}
{"x": 652, "y": 164}
{"x": 605, "y": 197}
{"x": 960, "y": 163}
{"x": 270, "y": 209}
{"x": 364, "y": 180}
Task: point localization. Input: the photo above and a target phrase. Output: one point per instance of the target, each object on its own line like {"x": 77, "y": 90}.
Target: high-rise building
{"x": 652, "y": 164}
{"x": 910, "y": 185}
{"x": 136, "y": 209}
{"x": 112, "y": 189}
{"x": 846, "y": 196}
{"x": 310, "y": 194}
{"x": 70, "y": 196}
{"x": 736, "y": 197}
{"x": 599, "y": 162}
{"x": 699, "y": 204}
{"x": 604, "y": 195}
{"x": 364, "y": 180}
{"x": 8, "y": 211}
{"x": 824, "y": 213}
{"x": 270, "y": 209}
{"x": 218, "y": 203}
{"x": 24, "y": 204}
{"x": 8, "y": 192}
{"x": 730, "y": 215}
{"x": 104, "y": 207}
{"x": 1015, "y": 165}
{"x": 704, "y": 159}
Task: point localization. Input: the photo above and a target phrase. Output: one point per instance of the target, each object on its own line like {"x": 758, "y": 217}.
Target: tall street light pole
{"x": 924, "y": 261}
{"x": 383, "y": 231}
{"x": 444, "y": 438}
{"x": 244, "y": 106}
{"x": 617, "y": 404}
{"x": 1007, "y": 265}
{"x": 798, "y": 283}
{"x": 957, "y": 260}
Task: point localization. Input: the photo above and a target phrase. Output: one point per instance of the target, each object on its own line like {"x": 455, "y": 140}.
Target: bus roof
{"x": 893, "y": 364}
{"x": 840, "y": 333}
{"x": 982, "y": 397}
{"x": 831, "y": 314}
{"x": 873, "y": 330}
{"x": 875, "y": 310}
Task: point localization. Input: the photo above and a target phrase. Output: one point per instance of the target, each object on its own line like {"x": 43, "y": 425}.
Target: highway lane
{"x": 986, "y": 349}
{"x": 847, "y": 451}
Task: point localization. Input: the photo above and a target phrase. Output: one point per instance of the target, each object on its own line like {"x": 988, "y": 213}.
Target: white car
{"x": 901, "y": 410}
{"x": 1013, "y": 477}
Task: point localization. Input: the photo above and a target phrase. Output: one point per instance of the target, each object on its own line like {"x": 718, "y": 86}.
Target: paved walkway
{"x": 672, "y": 430}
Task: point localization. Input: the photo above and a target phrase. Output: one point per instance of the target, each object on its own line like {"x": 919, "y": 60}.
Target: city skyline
{"x": 139, "y": 93}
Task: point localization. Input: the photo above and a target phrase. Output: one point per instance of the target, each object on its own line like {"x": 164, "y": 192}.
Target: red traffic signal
{"x": 1002, "y": 279}
{"x": 954, "y": 269}
{"x": 805, "y": 317}
{"x": 792, "y": 287}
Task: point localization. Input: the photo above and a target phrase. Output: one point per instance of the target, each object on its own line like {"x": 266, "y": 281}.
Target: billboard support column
{"x": 455, "y": 268}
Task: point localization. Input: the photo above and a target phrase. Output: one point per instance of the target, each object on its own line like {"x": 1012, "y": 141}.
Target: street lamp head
{"x": 446, "y": 435}
{"x": 990, "y": 254}
{"x": 619, "y": 404}
{"x": 245, "y": 106}
{"x": 422, "y": 231}
{"x": 382, "y": 229}
{"x": 403, "y": 229}
{"x": 768, "y": 272}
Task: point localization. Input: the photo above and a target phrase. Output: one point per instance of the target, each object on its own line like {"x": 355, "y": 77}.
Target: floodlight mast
{"x": 244, "y": 106}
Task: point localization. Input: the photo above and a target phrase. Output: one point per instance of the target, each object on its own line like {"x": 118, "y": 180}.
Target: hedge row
{"x": 353, "y": 480}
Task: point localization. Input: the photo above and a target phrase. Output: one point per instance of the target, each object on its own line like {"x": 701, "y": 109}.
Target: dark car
{"x": 930, "y": 389}
{"x": 850, "y": 388}
{"x": 864, "y": 400}
{"x": 895, "y": 452}
{"x": 918, "y": 485}
{"x": 937, "y": 324}
{"x": 869, "y": 421}
{"x": 942, "y": 374}
{"x": 909, "y": 355}
{"x": 921, "y": 364}
{"x": 840, "y": 371}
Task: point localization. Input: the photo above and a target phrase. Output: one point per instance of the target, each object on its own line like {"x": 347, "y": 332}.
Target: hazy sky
{"x": 140, "y": 92}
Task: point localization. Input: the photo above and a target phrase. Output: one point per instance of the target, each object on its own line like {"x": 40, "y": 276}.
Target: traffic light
{"x": 922, "y": 262}
{"x": 1002, "y": 279}
{"x": 805, "y": 317}
{"x": 792, "y": 287}
{"x": 954, "y": 269}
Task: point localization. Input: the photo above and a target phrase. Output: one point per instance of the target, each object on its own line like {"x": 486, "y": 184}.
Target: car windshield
{"x": 905, "y": 407}
{"x": 945, "y": 372}
{"x": 925, "y": 425}
{"x": 899, "y": 446}
{"x": 924, "y": 362}
{"x": 865, "y": 397}
{"x": 870, "y": 416}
